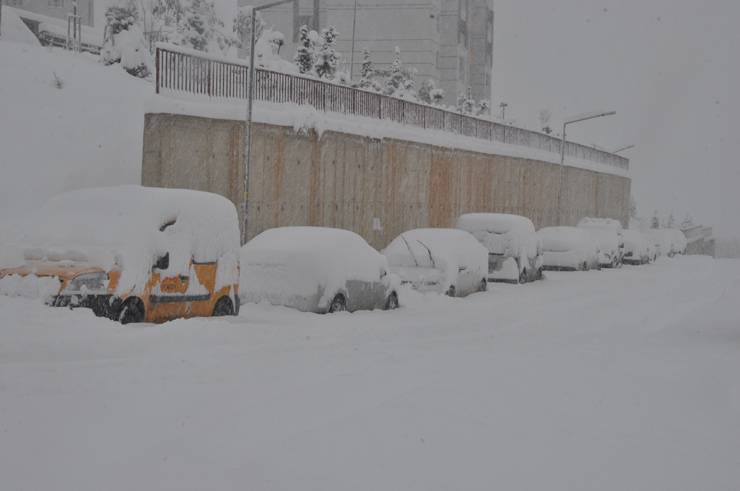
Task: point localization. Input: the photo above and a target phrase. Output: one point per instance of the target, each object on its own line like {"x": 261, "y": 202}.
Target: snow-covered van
{"x": 662, "y": 240}
{"x": 514, "y": 249}
{"x": 608, "y": 235}
{"x": 568, "y": 249}
{"x": 440, "y": 260}
{"x": 136, "y": 254}
{"x": 316, "y": 269}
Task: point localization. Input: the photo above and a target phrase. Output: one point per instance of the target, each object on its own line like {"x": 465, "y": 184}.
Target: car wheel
{"x": 339, "y": 304}
{"x": 523, "y": 277}
{"x": 392, "y": 302}
{"x": 223, "y": 307}
{"x": 451, "y": 291}
{"x": 483, "y": 285}
{"x": 584, "y": 266}
{"x": 132, "y": 311}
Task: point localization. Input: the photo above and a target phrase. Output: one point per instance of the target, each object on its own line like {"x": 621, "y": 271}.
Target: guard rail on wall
{"x": 187, "y": 71}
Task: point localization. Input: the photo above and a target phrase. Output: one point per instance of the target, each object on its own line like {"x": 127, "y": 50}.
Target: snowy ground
{"x": 616, "y": 380}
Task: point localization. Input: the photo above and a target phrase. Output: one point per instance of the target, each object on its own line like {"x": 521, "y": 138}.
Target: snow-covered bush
{"x": 242, "y": 27}
{"x": 124, "y": 41}
{"x": 399, "y": 82}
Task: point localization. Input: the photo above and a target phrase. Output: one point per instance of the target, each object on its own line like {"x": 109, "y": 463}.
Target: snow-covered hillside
{"x": 67, "y": 122}
{"x": 616, "y": 380}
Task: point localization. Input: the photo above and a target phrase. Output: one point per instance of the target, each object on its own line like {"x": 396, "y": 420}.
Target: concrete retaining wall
{"x": 377, "y": 188}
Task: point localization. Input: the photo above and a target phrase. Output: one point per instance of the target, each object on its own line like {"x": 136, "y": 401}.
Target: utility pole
{"x": 576, "y": 119}
{"x": 354, "y": 32}
{"x": 250, "y": 108}
{"x": 316, "y": 15}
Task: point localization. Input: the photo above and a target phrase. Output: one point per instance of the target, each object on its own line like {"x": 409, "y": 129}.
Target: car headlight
{"x": 87, "y": 283}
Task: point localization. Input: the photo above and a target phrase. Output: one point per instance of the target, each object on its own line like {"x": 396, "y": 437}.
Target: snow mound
{"x": 87, "y": 133}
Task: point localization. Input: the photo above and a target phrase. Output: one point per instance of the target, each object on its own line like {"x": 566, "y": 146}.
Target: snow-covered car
{"x": 135, "y": 254}
{"x": 637, "y": 249}
{"x": 662, "y": 240}
{"x": 568, "y": 249}
{"x": 315, "y": 269}
{"x": 441, "y": 260}
{"x": 678, "y": 241}
{"x": 608, "y": 235}
{"x": 514, "y": 249}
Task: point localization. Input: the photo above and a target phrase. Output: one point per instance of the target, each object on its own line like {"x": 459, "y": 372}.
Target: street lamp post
{"x": 573, "y": 120}
{"x": 503, "y": 107}
{"x": 352, "y": 53}
{"x": 250, "y": 107}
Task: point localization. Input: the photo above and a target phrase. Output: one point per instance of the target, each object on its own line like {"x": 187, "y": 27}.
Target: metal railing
{"x": 181, "y": 70}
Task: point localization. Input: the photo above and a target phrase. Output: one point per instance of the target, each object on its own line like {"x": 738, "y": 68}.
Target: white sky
{"x": 663, "y": 65}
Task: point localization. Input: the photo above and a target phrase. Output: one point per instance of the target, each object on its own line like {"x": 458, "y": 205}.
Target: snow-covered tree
{"x": 306, "y": 51}
{"x": 483, "y": 108}
{"x": 366, "y": 70}
{"x": 655, "y": 221}
{"x": 425, "y": 91}
{"x": 327, "y": 57}
{"x": 671, "y": 222}
{"x": 688, "y": 222}
{"x": 242, "y": 27}
{"x": 438, "y": 96}
{"x": 124, "y": 41}
{"x": 465, "y": 103}
{"x": 633, "y": 208}
{"x": 200, "y": 28}
{"x": 399, "y": 82}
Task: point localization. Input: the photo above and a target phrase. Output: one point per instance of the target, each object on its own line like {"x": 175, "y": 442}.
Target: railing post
{"x": 158, "y": 69}
{"x": 209, "y": 74}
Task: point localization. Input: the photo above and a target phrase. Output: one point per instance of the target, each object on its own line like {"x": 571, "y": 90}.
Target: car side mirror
{"x": 461, "y": 269}
{"x": 383, "y": 273}
{"x": 163, "y": 262}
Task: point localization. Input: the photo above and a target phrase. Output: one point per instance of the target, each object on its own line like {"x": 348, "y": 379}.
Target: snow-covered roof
{"x": 500, "y": 233}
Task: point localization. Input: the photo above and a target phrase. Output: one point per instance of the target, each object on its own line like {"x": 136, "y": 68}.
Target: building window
{"x": 14, "y": 3}
{"x": 57, "y": 4}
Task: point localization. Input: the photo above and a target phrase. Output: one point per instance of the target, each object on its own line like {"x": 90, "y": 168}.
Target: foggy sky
{"x": 665, "y": 66}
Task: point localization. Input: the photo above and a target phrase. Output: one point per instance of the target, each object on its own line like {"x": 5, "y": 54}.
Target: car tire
{"x": 338, "y": 304}
{"x": 224, "y": 307}
{"x": 451, "y": 291}
{"x": 483, "y": 285}
{"x": 132, "y": 311}
{"x": 523, "y": 277}
{"x": 392, "y": 302}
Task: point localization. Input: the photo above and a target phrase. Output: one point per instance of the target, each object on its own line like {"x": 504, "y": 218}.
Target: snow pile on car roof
{"x": 510, "y": 235}
{"x": 129, "y": 227}
{"x": 565, "y": 239}
{"x": 444, "y": 249}
{"x": 286, "y": 263}
{"x": 588, "y": 222}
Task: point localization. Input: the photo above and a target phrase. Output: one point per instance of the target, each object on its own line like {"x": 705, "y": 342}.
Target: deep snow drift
{"x": 613, "y": 380}
{"x": 67, "y": 123}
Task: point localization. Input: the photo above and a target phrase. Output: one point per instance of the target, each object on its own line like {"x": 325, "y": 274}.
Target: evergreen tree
{"x": 655, "y": 221}
{"x": 367, "y": 73}
{"x": 305, "y": 53}
{"x": 465, "y": 103}
{"x": 327, "y": 58}
{"x": 671, "y": 221}
{"x": 425, "y": 91}
{"x": 394, "y": 81}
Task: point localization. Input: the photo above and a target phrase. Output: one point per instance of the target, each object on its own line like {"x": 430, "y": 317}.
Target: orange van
{"x": 136, "y": 254}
